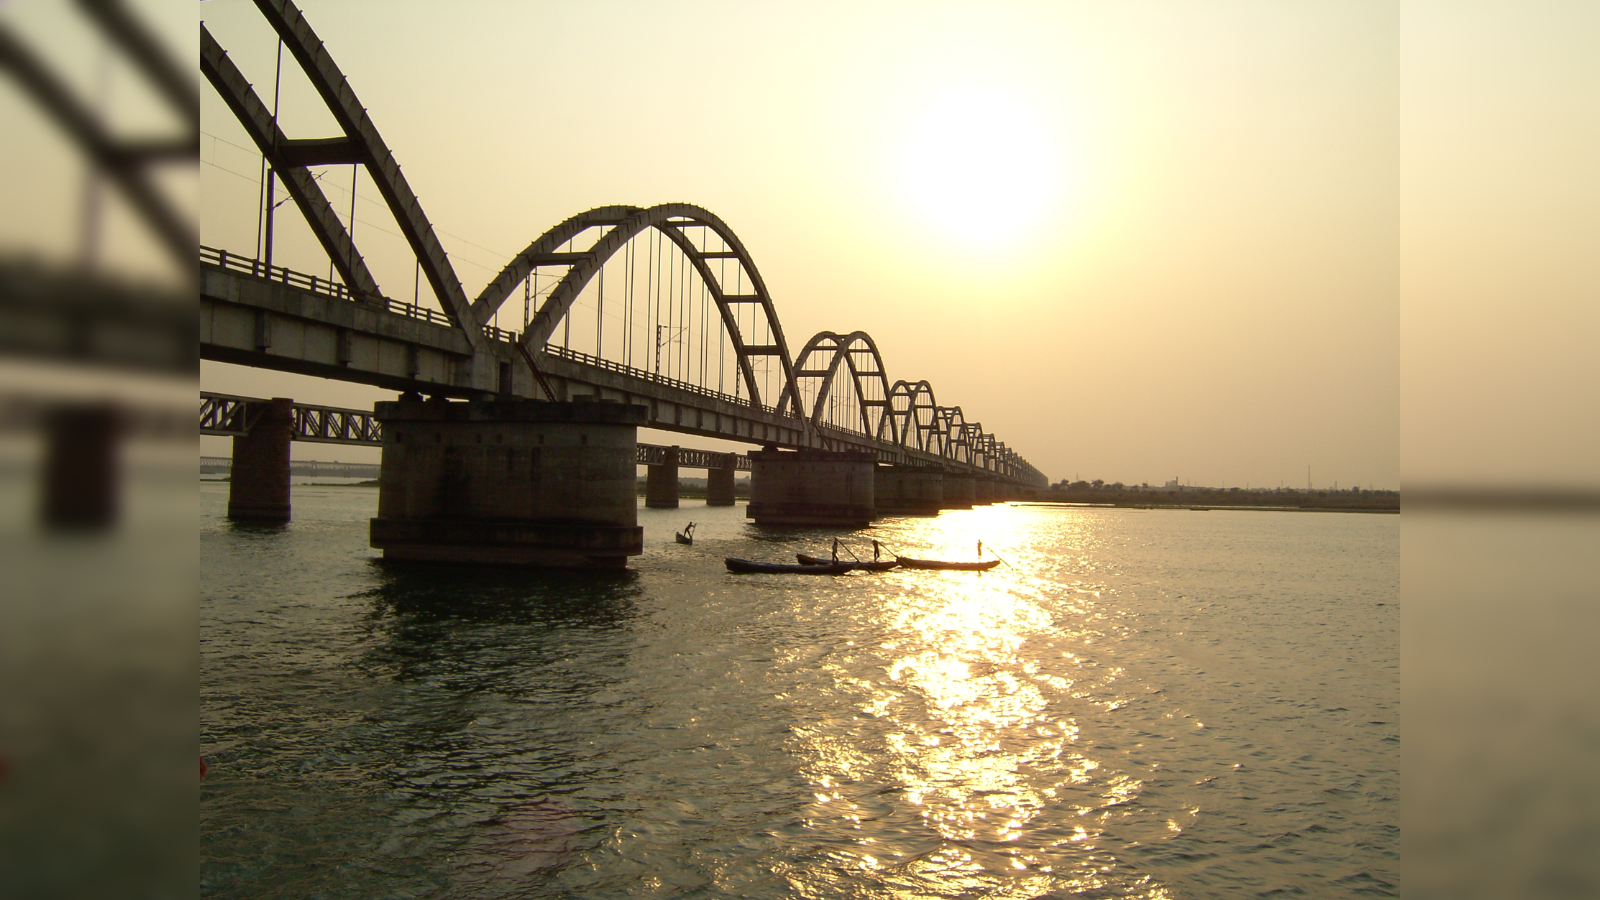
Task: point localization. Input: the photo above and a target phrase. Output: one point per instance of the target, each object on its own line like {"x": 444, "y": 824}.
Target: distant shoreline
{"x": 1208, "y": 507}
{"x": 1386, "y": 503}
{"x": 1279, "y": 500}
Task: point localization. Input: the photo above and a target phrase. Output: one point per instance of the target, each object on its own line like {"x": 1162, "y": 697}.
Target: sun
{"x": 981, "y": 166}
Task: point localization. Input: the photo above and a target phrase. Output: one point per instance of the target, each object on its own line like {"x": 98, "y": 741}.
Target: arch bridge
{"x": 661, "y": 307}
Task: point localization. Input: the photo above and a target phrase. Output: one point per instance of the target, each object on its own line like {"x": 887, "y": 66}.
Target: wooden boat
{"x": 745, "y": 566}
{"x": 876, "y": 565}
{"x": 907, "y": 562}
{"x": 685, "y": 536}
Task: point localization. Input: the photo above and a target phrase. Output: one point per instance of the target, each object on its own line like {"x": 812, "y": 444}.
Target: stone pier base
{"x": 577, "y": 545}
{"x": 811, "y": 487}
{"x": 661, "y": 483}
{"x": 720, "y": 484}
{"x": 258, "y": 481}
{"x": 909, "y": 490}
{"x": 983, "y": 492}
{"x": 958, "y": 491}
{"x": 518, "y": 482}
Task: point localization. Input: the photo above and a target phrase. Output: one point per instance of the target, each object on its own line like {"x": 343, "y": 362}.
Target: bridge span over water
{"x": 660, "y": 310}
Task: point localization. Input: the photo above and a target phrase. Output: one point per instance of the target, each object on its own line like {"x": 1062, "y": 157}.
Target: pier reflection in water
{"x": 1143, "y": 704}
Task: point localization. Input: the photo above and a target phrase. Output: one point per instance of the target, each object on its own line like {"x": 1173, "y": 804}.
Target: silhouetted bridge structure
{"x": 631, "y": 316}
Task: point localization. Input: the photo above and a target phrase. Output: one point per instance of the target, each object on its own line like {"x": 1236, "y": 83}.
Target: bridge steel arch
{"x": 950, "y": 427}
{"x": 906, "y": 425}
{"x": 972, "y": 439}
{"x": 359, "y": 143}
{"x": 624, "y": 223}
{"x": 257, "y": 120}
{"x": 844, "y": 350}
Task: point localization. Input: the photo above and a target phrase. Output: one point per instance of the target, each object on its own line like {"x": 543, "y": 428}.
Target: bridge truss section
{"x": 227, "y": 414}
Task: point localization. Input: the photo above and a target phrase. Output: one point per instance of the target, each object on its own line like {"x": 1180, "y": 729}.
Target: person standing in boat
{"x": 980, "y": 549}
{"x": 835, "y": 550}
{"x": 874, "y": 550}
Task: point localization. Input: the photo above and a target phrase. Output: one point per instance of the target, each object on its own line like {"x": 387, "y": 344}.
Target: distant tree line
{"x": 1141, "y": 495}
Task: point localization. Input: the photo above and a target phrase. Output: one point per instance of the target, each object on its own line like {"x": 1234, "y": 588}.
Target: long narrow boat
{"x": 735, "y": 564}
{"x": 907, "y": 562}
{"x": 876, "y": 565}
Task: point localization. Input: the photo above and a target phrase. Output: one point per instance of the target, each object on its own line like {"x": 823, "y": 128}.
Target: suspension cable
{"x": 655, "y": 335}
{"x": 672, "y": 311}
{"x": 742, "y": 363}
{"x": 683, "y": 305}
{"x": 700, "y": 295}
{"x": 566, "y": 318}
{"x": 722, "y": 285}
{"x": 627, "y": 304}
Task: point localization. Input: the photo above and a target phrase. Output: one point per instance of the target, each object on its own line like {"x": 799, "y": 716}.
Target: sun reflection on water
{"x": 974, "y": 766}
{"x": 961, "y": 772}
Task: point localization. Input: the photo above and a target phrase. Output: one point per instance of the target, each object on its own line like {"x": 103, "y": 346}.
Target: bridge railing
{"x": 318, "y": 285}
{"x": 598, "y": 362}
{"x": 587, "y": 359}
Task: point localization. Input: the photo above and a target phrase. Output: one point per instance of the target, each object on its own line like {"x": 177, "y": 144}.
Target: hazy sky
{"x": 1137, "y": 241}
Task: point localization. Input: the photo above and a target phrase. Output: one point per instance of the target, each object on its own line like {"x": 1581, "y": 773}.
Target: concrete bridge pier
{"x": 719, "y": 483}
{"x": 908, "y": 490}
{"x": 515, "y": 482}
{"x": 983, "y": 491}
{"x": 661, "y": 482}
{"x": 958, "y": 491}
{"x": 258, "y": 482}
{"x": 811, "y": 487}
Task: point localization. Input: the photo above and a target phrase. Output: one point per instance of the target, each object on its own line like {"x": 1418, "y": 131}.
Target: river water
{"x": 1141, "y": 703}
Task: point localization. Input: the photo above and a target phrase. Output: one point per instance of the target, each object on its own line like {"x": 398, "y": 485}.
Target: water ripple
{"x": 1137, "y": 705}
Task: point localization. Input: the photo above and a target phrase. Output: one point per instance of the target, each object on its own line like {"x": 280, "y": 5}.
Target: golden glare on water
{"x": 970, "y": 721}
{"x": 964, "y": 760}
{"x": 981, "y": 165}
